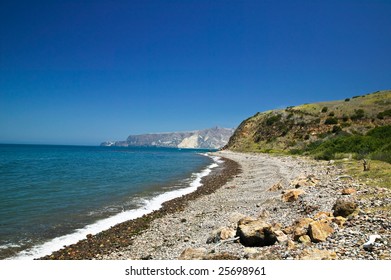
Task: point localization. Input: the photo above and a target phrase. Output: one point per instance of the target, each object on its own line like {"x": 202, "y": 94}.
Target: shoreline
{"x": 208, "y": 227}
{"x": 253, "y": 186}
{"x": 119, "y": 236}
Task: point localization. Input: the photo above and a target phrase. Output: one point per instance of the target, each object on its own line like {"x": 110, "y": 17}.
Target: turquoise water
{"x": 54, "y": 195}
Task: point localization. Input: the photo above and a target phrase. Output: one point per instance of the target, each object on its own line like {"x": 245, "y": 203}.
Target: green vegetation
{"x": 386, "y": 113}
{"x": 273, "y": 119}
{"x": 358, "y": 114}
{"x": 343, "y": 126}
{"x": 375, "y": 145}
{"x": 331, "y": 120}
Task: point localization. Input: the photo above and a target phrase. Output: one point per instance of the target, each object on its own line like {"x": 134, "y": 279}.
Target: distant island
{"x": 212, "y": 138}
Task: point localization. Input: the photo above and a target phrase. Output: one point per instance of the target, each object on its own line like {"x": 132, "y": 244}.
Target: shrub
{"x": 358, "y": 114}
{"x": 324, "y": 109}
{"x": 381, "y": 132}
{"x": 347, "y": 99}
{"x": 383, "y": 114}
{"x": 306, "y": 137}
{"x": 331, "y": 114}
{"x": 273, "y": 119}
{"x": 336, "y": 129}
{"x": 375, "y": 143}
{"x": 331, "y": 120}
{"x": 345, "y": 118}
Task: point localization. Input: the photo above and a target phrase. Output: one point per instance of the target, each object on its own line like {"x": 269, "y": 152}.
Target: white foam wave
{"x": 9, "y": 245}
{"x": 149, "y": 206}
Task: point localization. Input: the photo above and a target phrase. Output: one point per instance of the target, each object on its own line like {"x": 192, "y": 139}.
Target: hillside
{"x": 297, "y": 129}
{"x": 213, "y": 138}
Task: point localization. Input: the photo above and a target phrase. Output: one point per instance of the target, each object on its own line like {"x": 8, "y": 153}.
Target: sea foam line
{"x": 149, "y": 206}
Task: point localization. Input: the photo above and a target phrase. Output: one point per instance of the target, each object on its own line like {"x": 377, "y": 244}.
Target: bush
{"x": 273, "y": 119}
{"x": 336, "y": 129}
{"x": 331, "y": 120}
{"x": 345, "y": 118}
{"x": 324, "y": 109}
{"x": 358, "y": 114}
{"x": 381, "y": 132}
{"x": 383, "y": 156}
{"x": 331, "y": 114}
{"x": 347, "y": 99}
{"x": 375, "y": 143}
{"x": 383, "y": 114}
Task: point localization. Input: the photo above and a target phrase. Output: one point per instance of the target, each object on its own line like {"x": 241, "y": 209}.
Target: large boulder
{"x": 320, "y": 230}
{"x": 344, "y": 207}
{"x": 292, "y": 195}
{"x": 255, "y": 232}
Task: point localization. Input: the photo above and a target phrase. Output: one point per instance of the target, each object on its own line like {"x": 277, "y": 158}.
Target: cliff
{"x": 213, "y": 138}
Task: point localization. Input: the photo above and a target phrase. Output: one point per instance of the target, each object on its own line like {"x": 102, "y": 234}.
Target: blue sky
{"x": 81, "y": 72}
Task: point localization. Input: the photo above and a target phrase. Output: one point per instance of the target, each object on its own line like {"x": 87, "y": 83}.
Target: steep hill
{"x": 298, "y": 127}
{"x": 213, "y": 138}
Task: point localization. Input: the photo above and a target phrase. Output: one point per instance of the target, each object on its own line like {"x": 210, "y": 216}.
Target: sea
{"x": 51, "y": 196}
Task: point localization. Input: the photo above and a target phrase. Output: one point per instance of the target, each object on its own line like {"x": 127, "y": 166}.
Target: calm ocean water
{"x": 52, "y": 196}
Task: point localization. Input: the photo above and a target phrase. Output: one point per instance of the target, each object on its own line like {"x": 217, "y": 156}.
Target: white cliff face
{"x": 189, "y": 142}
{"x": 213, "y": 138}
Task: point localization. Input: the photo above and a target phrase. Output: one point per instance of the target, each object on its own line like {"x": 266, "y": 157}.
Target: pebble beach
{"x": 295, "y": 202}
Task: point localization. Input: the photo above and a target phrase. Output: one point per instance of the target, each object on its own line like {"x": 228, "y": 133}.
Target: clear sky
{"x": 82, "y": 72}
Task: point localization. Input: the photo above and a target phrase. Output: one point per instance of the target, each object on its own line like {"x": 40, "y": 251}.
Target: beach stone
{"x": 340, "y": 221}
{"x": 255, "y": 232}
{"x": 227, "y": 233}
{"x": 288, "y": 230}
{"x": 300, "y": 227}
{"x": 292, "y": 195}
{"x": 193, "y": 254}
{"x": 323, "y": 215}
{"x": 304, "y": 181}
{"x": 305, "y": 239}
{"x": 223, "y": 233}
{"x": 320, "y": 230}
{"x": 291, "y": 245}
{"x": 281, "y": 236}
{"x": 316, "y": 254}
{"x": 276, "y": 187}
{"x": 344, "y": 207}
{"x": 348, "y": 191}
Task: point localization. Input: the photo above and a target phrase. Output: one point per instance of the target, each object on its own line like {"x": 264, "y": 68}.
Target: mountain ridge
{"x": 212, "y": 138}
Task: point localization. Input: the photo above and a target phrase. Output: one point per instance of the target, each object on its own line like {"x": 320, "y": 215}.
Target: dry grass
{"x": 379, "y": 174}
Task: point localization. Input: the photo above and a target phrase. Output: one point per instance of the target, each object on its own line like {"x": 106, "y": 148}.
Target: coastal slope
{"x": 295, "y": 128}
